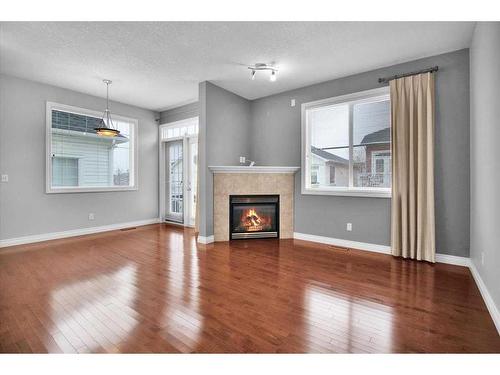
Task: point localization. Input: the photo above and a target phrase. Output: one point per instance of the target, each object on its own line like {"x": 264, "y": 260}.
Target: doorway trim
{"x": 162, "y": 180}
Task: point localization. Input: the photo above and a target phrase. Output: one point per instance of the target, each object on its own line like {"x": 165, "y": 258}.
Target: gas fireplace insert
{"x": 254, "y": 216}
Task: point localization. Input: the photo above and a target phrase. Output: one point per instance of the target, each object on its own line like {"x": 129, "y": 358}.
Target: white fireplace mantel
{"x": 254, "y": 169}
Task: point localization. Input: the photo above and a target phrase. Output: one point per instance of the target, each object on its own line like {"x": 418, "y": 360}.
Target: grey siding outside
{"x": 276, "y": 140}
{"x": 485, "y": 155}
{"x": 25, "y": 208}
{"x": 76, "y": 147}
{"x": 93, "y": 155}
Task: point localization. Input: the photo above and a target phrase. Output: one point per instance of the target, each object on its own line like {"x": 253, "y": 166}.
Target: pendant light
{"x": 106, "y": 127}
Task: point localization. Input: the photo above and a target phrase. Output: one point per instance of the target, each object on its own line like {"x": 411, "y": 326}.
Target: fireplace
{"x": 254, "y": 216}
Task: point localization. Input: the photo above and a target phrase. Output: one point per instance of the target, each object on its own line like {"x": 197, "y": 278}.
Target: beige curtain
{"x": 412, "y": 212}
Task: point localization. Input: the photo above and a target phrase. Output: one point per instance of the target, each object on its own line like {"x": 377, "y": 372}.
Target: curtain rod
{"x": 428, "y": 70}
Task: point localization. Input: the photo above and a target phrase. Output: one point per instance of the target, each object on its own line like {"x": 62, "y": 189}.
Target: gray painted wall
{"x": 485, "y": 154}
{"x": 179, "y": 113}
{"x": 276, "y": 141}
{"x": 25, "y": 209}
{"x": 203, "y": 172}
{"x": 225, "y": 121}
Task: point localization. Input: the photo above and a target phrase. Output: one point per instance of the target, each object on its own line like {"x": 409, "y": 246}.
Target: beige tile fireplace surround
{"x": 251, "y": 181}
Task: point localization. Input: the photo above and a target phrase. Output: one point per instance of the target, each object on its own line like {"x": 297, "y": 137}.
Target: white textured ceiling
{"x": 158, "y": 65}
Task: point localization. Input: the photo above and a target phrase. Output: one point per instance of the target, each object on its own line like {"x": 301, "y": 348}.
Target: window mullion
{"x": 351, "y": 149}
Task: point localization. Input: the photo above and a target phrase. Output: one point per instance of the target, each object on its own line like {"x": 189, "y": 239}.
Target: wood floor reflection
{"x": 153, "y": 289}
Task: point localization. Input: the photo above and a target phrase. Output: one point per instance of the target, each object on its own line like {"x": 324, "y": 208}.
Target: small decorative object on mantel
{"x": 244, "y": 160}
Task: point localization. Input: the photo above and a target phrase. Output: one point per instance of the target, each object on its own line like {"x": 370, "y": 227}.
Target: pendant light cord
{"x": 109, "y": 124}
{"x": 107, "y": 96}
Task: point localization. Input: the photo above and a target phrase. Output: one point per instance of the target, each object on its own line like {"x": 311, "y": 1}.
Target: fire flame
{"x": 251, "y": 221}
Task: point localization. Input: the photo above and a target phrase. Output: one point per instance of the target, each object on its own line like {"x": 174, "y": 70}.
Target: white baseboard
{"x": 488, "y": 300}
{"x": 343, "y": 243}
{"x": 176, "y": 223}
{"x": 205, "y": 240}
{"x": 75, "y": 232}
{"x": 452, "y": 259}
{"x": 384, "y": 249}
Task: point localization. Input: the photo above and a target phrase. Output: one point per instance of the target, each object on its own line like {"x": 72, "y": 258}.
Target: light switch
{"x": 5, "y": 178}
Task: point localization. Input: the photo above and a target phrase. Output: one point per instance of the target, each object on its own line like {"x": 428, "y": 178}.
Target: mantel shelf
{"x": 254, "y": 169}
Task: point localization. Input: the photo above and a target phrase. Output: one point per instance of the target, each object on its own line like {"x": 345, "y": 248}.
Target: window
{"x": 64, "y": 171}
{"x": 314, "y": 175}
{"x": 175, "y": 168}
{"x": 346, "y": 145}
{"x": 78, "y": 160}
{"x": 179, "y": 129}
{"x": 332, "y": 175}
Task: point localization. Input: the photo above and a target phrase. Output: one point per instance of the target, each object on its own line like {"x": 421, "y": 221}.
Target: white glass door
{"x": 175, "y": 180}
{"x": 192, "y": 170}
{"x": 178, "y": 157}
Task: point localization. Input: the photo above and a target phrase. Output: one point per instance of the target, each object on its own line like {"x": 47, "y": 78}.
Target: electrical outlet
{"x": 5, "y": 178}
{"x": 91, "y": 216}
{"x": 292, "y": 103}
{"x": 482, "y": 258}
{"x": 349, "y": 227}
{"x": 243, "y": 159}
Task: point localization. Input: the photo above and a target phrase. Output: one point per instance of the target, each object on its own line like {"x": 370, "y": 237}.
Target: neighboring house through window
{"x": 326, "y": 165}
{"x": 80, "y": 160}
{"x": 347, "y": 146}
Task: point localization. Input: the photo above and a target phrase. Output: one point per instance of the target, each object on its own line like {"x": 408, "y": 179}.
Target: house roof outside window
{"x": 380, "y": 136}
{"x": 80, "y": 123}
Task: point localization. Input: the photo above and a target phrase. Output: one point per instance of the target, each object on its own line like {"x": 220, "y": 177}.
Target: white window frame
{"x": 51, "y": 106}
{"x": 306, "y": 186}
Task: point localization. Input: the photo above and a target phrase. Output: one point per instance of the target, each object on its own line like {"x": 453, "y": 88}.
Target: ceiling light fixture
{"x": 262, "y": 66}
{"x": 106, "y": 127}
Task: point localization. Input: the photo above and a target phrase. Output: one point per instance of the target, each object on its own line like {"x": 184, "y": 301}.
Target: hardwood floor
{"x": 153, "y": 289}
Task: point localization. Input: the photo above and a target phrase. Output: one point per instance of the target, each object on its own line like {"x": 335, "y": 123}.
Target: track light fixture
{"x": 262, "y": 66}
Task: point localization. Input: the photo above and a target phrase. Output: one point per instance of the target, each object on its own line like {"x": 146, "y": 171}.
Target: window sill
{"x": 90, "y": 189}
{"x": 372, "y": 193}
